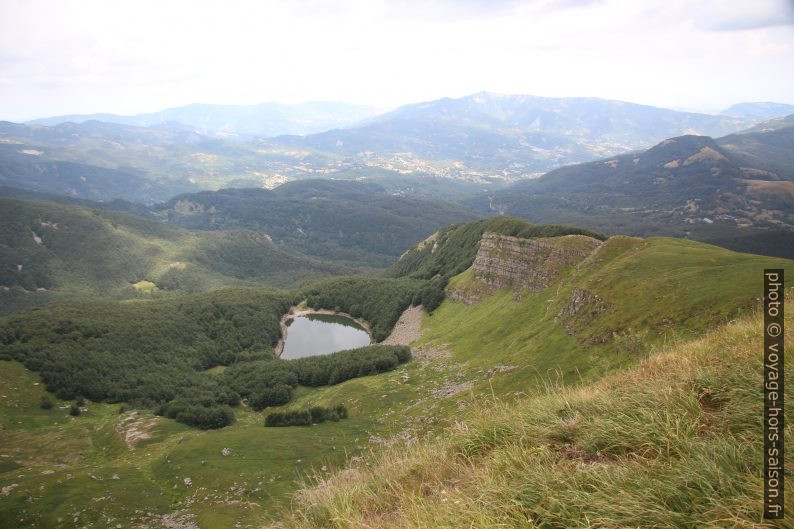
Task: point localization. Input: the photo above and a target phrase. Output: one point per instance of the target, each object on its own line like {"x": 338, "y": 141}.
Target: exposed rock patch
{"x": 406, "y": 330}
{"x": 134, "y": 429}
{"x": 498, "y": 369}
{"x": 583, "y": 300}
{"x": 178, "y": 520}
{"x": 505, "y": 262}
{"x": 449, "y": 389}
{"x": 5, "y": 491}
{"x": 580, "y": 312}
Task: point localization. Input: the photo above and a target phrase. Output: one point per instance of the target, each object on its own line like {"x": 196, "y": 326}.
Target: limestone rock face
{"x": 504, "y": 262}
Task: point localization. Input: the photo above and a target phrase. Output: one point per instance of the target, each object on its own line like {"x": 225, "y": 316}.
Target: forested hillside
{"x": 736, "y": 191}
{"x": 158, "y": 353}
{"x": 48, "y": 251}
{"x": 342, "y": 221}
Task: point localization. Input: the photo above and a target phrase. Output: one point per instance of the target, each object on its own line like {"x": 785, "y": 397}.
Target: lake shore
{"x": 302, "y": 310}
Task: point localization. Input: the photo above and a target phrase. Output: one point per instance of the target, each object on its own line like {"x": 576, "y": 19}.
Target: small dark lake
{"x": 319, "y": 334}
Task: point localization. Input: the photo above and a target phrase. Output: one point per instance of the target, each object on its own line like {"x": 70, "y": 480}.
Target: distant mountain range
{"x": 660, "y": 172}
{"x": 760, "y": 111}
{"x": 508, "y": 136}
{"x": 714, "y": 190}
{"x": 445, "y": 147}
{"x": 266, "y": 119}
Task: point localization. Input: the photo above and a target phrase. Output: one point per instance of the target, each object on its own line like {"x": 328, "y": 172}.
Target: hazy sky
{"x": 130, "y": 56}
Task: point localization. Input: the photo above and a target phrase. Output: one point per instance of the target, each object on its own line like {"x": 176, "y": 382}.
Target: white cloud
{"x": 98, "y": 55}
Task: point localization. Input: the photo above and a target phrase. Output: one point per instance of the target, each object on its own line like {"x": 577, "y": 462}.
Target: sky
{"x": 130, "y": 56}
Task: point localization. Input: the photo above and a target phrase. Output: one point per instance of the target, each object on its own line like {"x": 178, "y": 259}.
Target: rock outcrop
{"x": 505, "y": 262}
{"x": 580, "y": 312}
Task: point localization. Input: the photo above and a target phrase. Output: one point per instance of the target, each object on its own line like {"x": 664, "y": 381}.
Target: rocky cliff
{"x": 504, "y": 262}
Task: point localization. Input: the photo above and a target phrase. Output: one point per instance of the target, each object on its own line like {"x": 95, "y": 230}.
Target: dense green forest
{"x": 142, "y": 352}
{"x": 52, "y": 251}
{"x": 156, "y": 352}
{"x": 270, "y": 382}
{"x": 347, "y": 222}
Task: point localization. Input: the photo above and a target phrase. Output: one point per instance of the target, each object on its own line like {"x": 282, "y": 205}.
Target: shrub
{"x": 46, "y": 403}
{"x": 289, "y": 418}
{"x": 314, "y": 415}
{"x": 201, "y": 413}
{"x": 271, "y": 396}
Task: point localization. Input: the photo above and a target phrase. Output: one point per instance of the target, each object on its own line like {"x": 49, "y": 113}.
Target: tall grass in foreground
{"x": 673, "y": 442}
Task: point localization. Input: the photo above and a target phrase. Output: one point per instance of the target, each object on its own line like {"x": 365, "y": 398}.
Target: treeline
{"x": 270, "y": 383}
{"x": 380, "y": 301}
{"x": 265, "y": 383}
{"x": 314, "y": 415}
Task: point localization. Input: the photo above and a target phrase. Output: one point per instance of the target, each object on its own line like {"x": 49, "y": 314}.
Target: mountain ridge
{"x": 479, "y": 139}
{"x": 759, "y": 110}
{"x": 710, "y": 189}
{"x": 263, "y": 119}
{"x": 516, "y": 134}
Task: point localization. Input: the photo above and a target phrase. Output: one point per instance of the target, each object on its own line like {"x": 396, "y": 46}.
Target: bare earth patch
{"x": 782, "y": 188}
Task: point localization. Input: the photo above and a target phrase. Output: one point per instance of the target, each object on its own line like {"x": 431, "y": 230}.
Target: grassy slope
{"x": 673, "y": 442}
{"x": 695, "y": 285}
{"x": 64, "y": 467}
{"x": 656, "y": 290}
{"x": 86, "y": 252}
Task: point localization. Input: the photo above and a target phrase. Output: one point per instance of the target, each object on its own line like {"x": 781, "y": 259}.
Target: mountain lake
{"x": 319, "y": 334}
